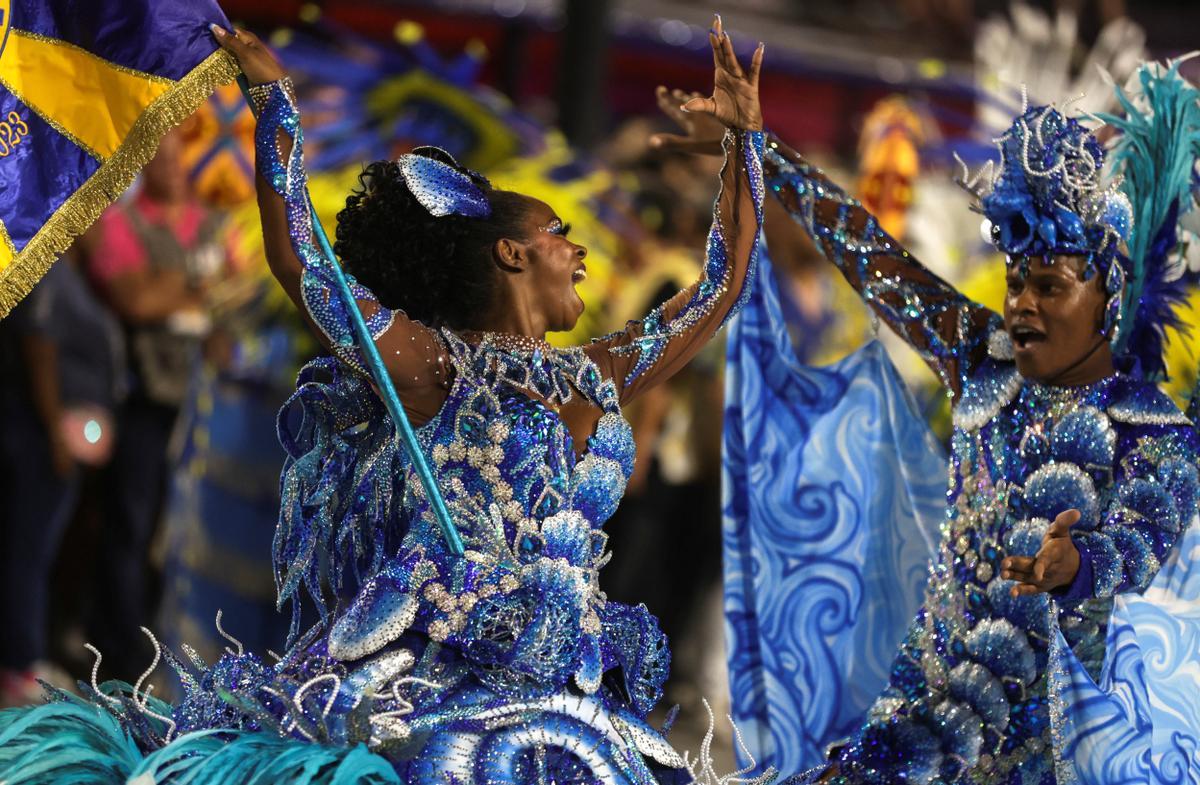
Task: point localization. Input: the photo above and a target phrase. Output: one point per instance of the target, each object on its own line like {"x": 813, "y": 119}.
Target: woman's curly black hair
{"x": 438, "y": 270}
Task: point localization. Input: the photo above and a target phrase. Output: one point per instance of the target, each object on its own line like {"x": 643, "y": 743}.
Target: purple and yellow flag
{"x": 87, "y": 90}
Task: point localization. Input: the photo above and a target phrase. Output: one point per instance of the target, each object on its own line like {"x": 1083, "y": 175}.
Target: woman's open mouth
{"x": 579, "y": 275}
{"x": 1025, "y": 337}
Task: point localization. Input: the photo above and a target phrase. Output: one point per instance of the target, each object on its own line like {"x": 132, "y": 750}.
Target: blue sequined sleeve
{"x": 414, "y": 355}
{"x": 944, "y": 327}
{"x": 651, "y": 350}
{"x": 1153, "y": 500}
{"x": 289, "y": 180}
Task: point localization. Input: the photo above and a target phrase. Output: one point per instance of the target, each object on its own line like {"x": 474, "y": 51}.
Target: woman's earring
{"x": 1114, "y": 285}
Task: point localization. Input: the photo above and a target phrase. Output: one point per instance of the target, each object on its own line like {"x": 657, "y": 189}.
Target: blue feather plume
{"x": 1156, "y": 154}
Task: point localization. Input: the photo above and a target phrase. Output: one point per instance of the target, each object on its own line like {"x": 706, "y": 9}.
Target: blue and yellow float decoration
{"x": 218, "y": 149}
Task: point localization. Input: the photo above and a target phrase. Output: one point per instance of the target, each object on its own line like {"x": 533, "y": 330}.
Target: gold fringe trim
{"x": 114, "y": 176}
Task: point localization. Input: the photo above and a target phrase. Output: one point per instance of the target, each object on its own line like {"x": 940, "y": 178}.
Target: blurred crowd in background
{"x": 139, "y": 382}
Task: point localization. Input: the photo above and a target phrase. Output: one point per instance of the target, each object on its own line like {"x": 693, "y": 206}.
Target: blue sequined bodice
{"x": 501, "y": 433}
{"x": 522, "y": 608}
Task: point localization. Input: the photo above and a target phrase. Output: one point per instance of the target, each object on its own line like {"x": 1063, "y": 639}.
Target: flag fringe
{"x": 114, "y": 176}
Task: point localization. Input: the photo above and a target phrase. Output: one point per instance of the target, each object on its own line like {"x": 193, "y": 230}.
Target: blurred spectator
{"x": 672, "y": 501}
{"x": 154, "y": 257}
{"x": 224, "y": 497}
{"x": 61, "y": 370}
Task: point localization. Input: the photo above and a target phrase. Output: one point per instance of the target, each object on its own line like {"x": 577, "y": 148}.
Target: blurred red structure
{"x": 810, "y": 103}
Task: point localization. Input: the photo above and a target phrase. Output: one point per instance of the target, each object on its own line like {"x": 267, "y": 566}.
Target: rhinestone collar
{"x": 515, "y": 343}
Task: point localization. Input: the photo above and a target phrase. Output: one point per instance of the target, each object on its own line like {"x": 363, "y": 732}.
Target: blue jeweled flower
{"x": 1048, "y": 181}
{"x": 1031, "y": 612}
{"x": 1060, "y": 486}
{"x": 614, "y": 439}
{"x": 567, "y": 535}
{"x": 1025, "y": 537}
{"x": 975, "y": 685}
{"x": 1137, "y": 557}
{"x": 1182, "y": 479}
{"x": 597, "y": 486}
{"x": 961, "y": 731}
{"x": 1152, "y": 501}
{"x": 1084, "y": 437}
{"x": 1003, "y": 649}
{"x": 525, "y": 643}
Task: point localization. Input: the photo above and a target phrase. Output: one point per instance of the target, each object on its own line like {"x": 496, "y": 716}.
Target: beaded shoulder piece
{"x": 552, "y": 374}
{"x": 992, "y": 385}
{"x": 1137, "y": 402}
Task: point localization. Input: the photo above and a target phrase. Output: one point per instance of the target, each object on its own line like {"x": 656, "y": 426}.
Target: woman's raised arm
{"x": 413, "y": 354}
{"x": 649, "y": 351}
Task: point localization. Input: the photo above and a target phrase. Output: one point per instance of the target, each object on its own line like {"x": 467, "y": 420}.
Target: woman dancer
{"x": 1072, "y": 475}
{"x": 505, "y": 664}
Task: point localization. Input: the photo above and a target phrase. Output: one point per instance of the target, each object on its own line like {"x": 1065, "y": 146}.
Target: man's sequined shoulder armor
{"x": 1137, "y": 402}
{"x": 992, "y": 385}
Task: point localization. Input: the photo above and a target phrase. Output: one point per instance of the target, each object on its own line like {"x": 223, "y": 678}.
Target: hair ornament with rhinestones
{"x": 419, "y": 232}
{"x": 1046, "y": 196}
{"x": 441, "y": 186}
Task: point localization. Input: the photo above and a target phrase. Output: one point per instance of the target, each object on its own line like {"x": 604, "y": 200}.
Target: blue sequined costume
{"x": 971, "y": 696}
{"x": 528, "y": 658}
{"x": 506, "y": 664}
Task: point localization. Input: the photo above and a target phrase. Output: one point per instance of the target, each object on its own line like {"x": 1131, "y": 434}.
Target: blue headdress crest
{"x": 1050, "y": 196}
{"x": 1046, "y": 197}
{"x": 435, "y": 180}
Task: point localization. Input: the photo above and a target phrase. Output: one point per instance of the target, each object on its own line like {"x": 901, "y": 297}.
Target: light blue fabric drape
{"x": 833, "y": 491}
{"x": 1141, "y": 722}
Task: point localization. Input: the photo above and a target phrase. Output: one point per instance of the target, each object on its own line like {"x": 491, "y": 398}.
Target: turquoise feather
{"x": 67, "y": 742}
{"x": 72, "y": 742}
{"x": 1156, "y": 154}
{"x": 216, "y": 757}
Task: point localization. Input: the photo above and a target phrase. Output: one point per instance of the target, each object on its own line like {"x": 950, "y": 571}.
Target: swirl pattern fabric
{"x": 1141, "y": 721}
{"x": 833, "y": 489}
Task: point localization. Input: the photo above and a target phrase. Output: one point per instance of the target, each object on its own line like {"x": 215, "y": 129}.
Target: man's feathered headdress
{"x": 1050, "y": 195}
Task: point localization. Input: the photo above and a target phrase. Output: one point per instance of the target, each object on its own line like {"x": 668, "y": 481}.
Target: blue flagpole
{"x": 382, "y": 379}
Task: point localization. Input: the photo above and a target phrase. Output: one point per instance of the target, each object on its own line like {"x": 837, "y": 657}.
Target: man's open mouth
{"x": 1025, "y": 337}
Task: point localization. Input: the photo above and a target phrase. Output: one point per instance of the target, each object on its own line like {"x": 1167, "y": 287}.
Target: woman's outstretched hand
{"x": 1053, "y": 567}
{"x": 256, "y": 60}
{"x": 734, "y": 101}
{"x": 702, "y": 133}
